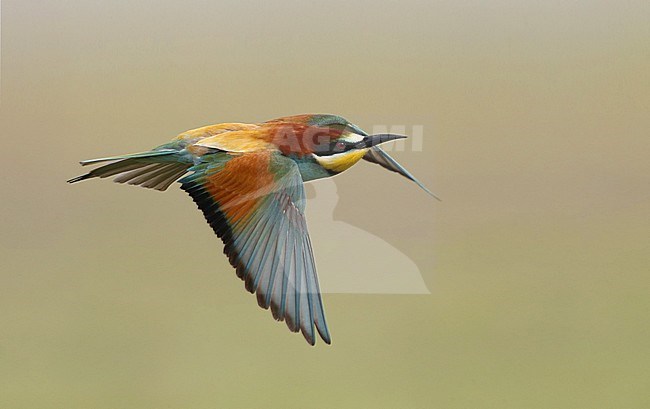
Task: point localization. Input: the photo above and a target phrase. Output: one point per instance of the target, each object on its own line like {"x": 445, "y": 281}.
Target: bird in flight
{"x": 247, "y": 179}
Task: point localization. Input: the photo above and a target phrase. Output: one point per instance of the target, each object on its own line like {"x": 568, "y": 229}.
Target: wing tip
{"x": 311, "y": 340}
{"x": 325, "y": 335}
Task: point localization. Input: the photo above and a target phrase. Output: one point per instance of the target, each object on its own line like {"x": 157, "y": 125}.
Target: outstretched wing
{"x": 255, "y": 203}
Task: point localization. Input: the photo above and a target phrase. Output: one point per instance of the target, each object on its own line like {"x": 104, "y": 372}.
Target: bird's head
{"x": 339, "y": 154}
{"x": 346, "y": 149}
{"x": 333, "y": 142}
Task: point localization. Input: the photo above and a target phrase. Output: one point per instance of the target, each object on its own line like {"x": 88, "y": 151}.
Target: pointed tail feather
{"x": 148, "y": 154}
{"x": 154, "y": 169}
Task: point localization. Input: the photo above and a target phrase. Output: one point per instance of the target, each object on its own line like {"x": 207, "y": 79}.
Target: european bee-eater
{"x": 247, "y": 179}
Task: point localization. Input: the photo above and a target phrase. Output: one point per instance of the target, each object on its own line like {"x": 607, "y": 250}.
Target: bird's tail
{"x": 156, "y": 169}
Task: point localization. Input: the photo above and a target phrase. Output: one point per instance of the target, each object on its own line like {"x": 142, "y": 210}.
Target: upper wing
{"x": 238, "y": 141}
{"x": 212, "y": 130}
{"x": 380, "y": 157}
{"x": 227, "y": 137}
{"x": 255, "y": 203}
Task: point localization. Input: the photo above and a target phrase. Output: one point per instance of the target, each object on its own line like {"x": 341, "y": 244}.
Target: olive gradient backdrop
{"x": 535, "y": 119}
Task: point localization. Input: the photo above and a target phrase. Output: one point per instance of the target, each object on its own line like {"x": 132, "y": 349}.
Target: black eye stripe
{"x": 336, "y": 146}
{"x": 340, "y": 146}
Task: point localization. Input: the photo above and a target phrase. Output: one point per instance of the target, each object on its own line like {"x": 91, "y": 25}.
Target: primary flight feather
{"x": 247, "y": 179}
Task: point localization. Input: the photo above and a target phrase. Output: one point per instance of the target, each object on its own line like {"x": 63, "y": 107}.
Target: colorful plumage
{"x": 247, "y": 179}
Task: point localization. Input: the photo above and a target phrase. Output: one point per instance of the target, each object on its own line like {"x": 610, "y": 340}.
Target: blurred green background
{"x": 535, "y": 119}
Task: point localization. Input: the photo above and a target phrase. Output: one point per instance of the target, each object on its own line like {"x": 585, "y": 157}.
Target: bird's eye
{"x": 340, "y": 146}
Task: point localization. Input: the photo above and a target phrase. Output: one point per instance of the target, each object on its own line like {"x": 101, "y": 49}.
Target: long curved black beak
{"x": 373, "y": 140}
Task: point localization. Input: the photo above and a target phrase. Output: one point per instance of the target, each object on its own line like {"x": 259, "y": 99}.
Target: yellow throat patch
{"x": 339, "y": 162}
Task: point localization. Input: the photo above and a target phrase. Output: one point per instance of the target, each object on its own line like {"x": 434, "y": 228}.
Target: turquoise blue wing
{"x": 255, "y": 203}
